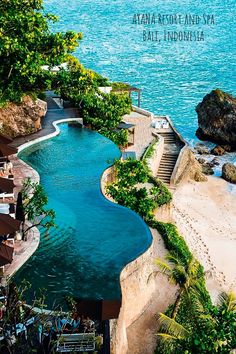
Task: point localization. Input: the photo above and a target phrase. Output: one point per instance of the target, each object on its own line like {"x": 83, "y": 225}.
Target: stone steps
{"x": 166, "y": 167}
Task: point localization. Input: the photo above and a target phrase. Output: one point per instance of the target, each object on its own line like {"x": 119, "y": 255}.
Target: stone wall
{"x": 186, "y": 168}
{"x": 142, "y": 111}
{"x": 154, "y": 161}
{"x": 144, "y": 294}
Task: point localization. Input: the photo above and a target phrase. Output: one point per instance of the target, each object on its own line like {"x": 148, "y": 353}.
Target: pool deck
{"x": 143, "y": 132}
{"x": 25, "y": 249}
{"x": 47, "y": 126}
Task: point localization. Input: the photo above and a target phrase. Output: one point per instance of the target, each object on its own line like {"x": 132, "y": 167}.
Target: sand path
{"x": 205, "y": 214}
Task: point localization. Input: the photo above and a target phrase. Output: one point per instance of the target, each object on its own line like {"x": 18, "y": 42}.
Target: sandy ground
{"x": 205, "y": 214}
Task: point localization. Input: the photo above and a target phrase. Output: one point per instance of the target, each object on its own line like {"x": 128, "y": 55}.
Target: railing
{"x": 142, "y": 111}
{"x": 174, "y": 176}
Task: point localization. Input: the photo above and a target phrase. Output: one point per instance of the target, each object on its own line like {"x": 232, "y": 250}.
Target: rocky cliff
{"x": 23, "y": 118}
{"x": 217, "y": 118}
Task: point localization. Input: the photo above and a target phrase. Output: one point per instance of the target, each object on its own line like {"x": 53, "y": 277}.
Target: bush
{"x": 162, "y": 195}
{"x": 149, "y": 150}
{"x": 175, "y": 243}
{"x": 119, "y": 137}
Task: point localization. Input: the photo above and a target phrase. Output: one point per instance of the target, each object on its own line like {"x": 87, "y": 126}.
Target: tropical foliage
{"x": 160, "y": 192}
{"x": 102, "y": 111}
{"x": 192, "y": 324}
{"x": 34, "y": 207}
{"x": 129, "y": 174}
{"x": 148, "y": 153}
{"x": 26, "y": 43}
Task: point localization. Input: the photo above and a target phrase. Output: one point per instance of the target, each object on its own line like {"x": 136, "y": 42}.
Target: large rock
{"x": 218, "y": 150}
{"x": 217, "y": 118}
{"x": 189, "y": 168}
{"x": 22, "y": 118}
{"x": 229, "y": 172}
{"x": 201, "y": 149}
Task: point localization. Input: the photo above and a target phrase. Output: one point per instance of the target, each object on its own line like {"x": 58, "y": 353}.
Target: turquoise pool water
{"x": 174, "y": 76}
{"x": 95, "y": 238}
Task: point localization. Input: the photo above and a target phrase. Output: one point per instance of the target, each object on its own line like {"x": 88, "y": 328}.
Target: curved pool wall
{"x": 95, "y": 238}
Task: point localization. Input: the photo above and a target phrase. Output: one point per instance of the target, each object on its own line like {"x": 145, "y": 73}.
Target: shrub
{"x": 175, "y": 243}
{"x": 162, "y": 195}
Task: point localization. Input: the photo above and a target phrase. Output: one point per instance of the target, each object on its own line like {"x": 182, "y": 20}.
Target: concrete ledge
{"x": 143, "y": 296}
{"x": 142, "y": 111}
{"x": 154, "y": 161}
{"x": 51, "y": 135}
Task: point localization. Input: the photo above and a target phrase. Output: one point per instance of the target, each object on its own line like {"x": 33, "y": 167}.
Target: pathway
{"x": 172, "y": 147}
{"x": 169, "y": 157}
{"x": 54, "y": 113}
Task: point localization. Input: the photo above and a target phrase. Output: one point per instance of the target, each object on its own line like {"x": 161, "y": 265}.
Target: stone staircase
{"x": 166, "y": 167}
{"x": 169, "y": 137}
{"x": 169, "y": 157}
{"x": 52, "y": 104}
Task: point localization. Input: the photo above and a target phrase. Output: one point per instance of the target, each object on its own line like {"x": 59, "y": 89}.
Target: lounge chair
{"x": 166, "y": 125}
{"x": 6, "y": 195}
{"x": 76, "y": 342}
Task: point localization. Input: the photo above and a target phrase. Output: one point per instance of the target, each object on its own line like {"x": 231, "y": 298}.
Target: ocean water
{"x": 94, "y": 238}
{"x": 174, "y": 76}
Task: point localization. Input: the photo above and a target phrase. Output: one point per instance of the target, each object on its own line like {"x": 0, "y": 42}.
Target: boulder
{"x": 217, "y": 118}
{"x": 18, "y": 119}
{"x": 229, "y": 172}
{"x": 218, "y": 150}
{"x": 207, "y": 169}
{"x": 227, "y": 148}
{"x": 201, "y": 160}
{"x": 201, "y": 149}
{"x": 199, "y": 177}
{"x": 195, "y": 171}
{"x": 215, "y": 162}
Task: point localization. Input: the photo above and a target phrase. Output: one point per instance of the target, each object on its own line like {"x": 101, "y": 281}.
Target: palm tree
{"x": 172, "y": 331}
{"x": 227, "y": 301}
{"x": 186, "y": 275}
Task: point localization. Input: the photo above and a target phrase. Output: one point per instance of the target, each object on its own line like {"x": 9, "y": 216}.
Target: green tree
{"x": 34, "y": 203}
{"x": 185, "y": 275}
{"x": 200, "y": 329}
{"x": 102, "y": 112}
{"x": 130, "y": 172}
{"x": 26, "y": 43}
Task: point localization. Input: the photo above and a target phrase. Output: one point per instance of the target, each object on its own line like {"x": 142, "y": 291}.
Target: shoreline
{"x": 205, "y": 214}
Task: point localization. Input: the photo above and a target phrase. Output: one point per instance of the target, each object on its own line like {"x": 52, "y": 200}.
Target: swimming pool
{"x": 95, "y": 238}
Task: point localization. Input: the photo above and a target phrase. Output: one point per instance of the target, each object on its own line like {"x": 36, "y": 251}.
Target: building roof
{"x": 124, "y": 125}
{"x": 126, "y": 87}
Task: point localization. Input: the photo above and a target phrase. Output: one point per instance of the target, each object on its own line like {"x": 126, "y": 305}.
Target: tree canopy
{"x": 27, "y": 43}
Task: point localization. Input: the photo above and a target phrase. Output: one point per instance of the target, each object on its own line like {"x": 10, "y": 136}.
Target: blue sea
{"x": 174, "y": 75}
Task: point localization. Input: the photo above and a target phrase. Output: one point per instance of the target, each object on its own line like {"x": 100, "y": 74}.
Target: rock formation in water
{"x": 201, "y": 149}
{"x": 17, "y": 119}
{"x": 217, "y": 118}
{"x": 229, "y": 172}
{"x": 218, "y": 150}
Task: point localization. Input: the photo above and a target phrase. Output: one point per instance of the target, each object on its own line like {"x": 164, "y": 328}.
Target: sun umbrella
{"x": 6, "y": 185}
{"x": 20, "y": 215}
{"x": 8, "y": 225}
{"x": 7, "y": 150}
{"x": 99, "y": 309}
{"x": 5, "y": 139}
{"x": 6, "y": 254}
